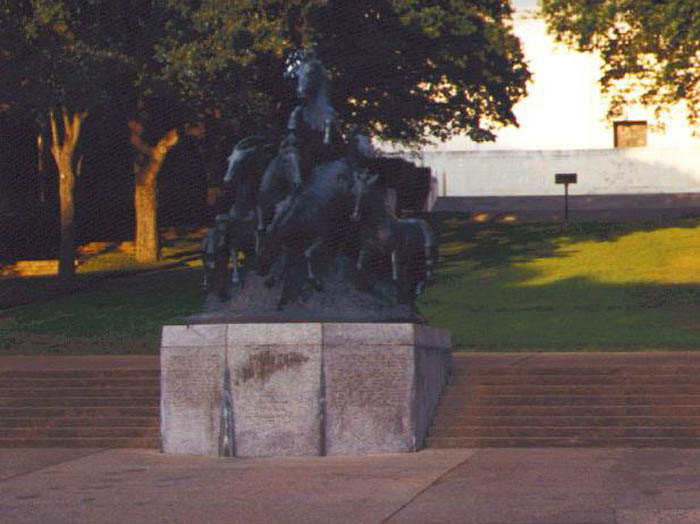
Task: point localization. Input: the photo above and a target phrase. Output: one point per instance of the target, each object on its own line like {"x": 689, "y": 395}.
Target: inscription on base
{"x": 277, "y": 405}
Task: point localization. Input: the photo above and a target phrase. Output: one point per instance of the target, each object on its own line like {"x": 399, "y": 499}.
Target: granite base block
{"x": 300, "y": 389}
{"x": 275, "y": 373}
{"x": 192, "y": 389}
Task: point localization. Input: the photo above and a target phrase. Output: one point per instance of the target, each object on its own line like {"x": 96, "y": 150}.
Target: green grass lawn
{"x": 115, "y": 316}
{"x": 119, "y": 306}
{"x": 175, "y": 252}
{"x": 500, "y": 287}
{"x": 619, "y": 286}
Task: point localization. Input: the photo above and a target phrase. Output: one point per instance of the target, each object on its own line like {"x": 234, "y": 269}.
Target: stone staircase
{"x": 98, "y": 408}
{"x": 570, "y": 400}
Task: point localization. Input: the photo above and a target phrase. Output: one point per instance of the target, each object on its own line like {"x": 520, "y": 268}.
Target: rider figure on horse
{"x": 313, "y": 132}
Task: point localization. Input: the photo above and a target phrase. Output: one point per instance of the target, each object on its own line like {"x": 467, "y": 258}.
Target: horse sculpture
{"x": 234, "y": 230}
{"x": 292, "y": 211}
{"x": 281, "y": 177}
{"x": 244, "y": 175}
{"x": 409, "y": 244}
{"x": 317, "y": 215}
{"x": 305, "y": 221}
{"x": 313, "y": 126}
{"x": 215, "y": 255}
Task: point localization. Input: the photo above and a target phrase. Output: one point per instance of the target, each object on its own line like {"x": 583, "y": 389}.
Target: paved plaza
{"x": 486, "y": 486}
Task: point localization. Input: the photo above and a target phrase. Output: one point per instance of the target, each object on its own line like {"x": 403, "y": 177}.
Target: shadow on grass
{"x": 550, "y": 287}
{"x": 571, "y": 315}
{"x": 108, "y": 263}
{"x": 489, "y": 292}
{"x": 489, "y": 244}
{"x": 114, "y": 316}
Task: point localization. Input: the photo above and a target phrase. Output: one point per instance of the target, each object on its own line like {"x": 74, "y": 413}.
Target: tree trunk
{"x": 146, "y": 244}
{"x": 62, "y": 152}
{"x": 41, "y": 184}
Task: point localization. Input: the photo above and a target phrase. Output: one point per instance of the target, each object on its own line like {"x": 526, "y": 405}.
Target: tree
{"x": 196, "y": 65}
{"x": 63, "y": 150}
{"x": 650, "y": 48}
{"x": 413, "y": 69}
{"x": 169, "y": 64}
{"x": 407, "y": 68}
{"x": 48, "y": 69}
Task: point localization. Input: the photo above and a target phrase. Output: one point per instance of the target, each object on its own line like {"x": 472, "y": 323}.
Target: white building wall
{"x": 530, "y": 173}
{"x": 563, "y": 129}
{"x": 564, "y": 108}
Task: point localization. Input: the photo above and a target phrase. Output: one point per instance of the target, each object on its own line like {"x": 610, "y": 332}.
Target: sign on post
{"x": 566, "y": 179}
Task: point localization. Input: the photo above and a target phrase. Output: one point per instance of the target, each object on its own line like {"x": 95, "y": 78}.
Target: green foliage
{"x": 650, "y": 48}
{"x": 407, "y": 68}
{"x": 196, "y": 58}
{"x": 45, "y": 61}
{"x": 228, "y": 59}
{"x": 412, "y": 68}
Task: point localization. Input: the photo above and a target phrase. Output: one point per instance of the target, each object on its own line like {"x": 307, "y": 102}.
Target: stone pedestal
{"x": 300, "y": 389}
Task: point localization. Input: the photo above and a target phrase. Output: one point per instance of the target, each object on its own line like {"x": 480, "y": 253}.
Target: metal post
{"x": 566, "y": 179}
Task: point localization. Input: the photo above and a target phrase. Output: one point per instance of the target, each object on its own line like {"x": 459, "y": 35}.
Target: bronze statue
{"x": 313, "y": 128}
{"x": 310, "y": 220}
{"x": 234, "y": 229}
{"x": 409, "y": 243}
{"x": 311, "y": 217}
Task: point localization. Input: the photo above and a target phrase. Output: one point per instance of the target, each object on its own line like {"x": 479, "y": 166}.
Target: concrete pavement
{"x": 486, "y": 486}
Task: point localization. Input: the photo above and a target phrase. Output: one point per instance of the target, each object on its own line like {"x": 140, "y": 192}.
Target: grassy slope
{"x": 499, "y": 288}
{"x": 120, "y": 314}
{"x": 577, "y": 287}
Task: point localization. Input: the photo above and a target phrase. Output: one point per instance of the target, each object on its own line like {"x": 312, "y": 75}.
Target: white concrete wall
{"x": 600, "y": 172}
{"x": 564, "y": 108}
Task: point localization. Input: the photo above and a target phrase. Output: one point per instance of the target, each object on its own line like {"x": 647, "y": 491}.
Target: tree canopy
{"x": 46, "y": 62}
{"x": 413, "y": 68}
{"x": 197, "y": 58}
{"x": 407, "y": 68}
{"x": 650, "y": 48}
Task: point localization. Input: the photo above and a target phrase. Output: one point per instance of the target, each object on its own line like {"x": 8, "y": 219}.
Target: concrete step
{"x": 581, "y": 400}
{"x": 572, "y": 411}
{"x": 85, "y": 411}
{"x": 9, "y": 402}
{"x": 572, "y": 379}
{"x": 135, "y": 442}
{"x": 80, "y": 432}
{"x": 606, "y": 432}
{"x": 78, "y": 373}
{"x": 601, "y": 442}
{"x": 575, "y": 389}
{"x": 63, "y": 421}
{"x": 451, "y": 399}
{"x": 108, "y": 382}
{"x": 80, "y": 402}
{"x": 564, "y": 420}
{"x": 465, "y": 369}
{"x": 88, "y": 392}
